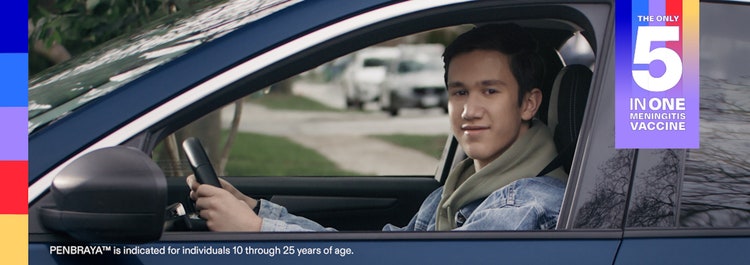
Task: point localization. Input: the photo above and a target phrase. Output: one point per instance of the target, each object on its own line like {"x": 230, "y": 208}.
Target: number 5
{"x": 672, "y": 61}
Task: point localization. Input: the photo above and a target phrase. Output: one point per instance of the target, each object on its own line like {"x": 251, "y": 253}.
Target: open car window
{"x": 349, "y": 122}
{"x": 350, "y": 116}
{"x": 346, "y": 117}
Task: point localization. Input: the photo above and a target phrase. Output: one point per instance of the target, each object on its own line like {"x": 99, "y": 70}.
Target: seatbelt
{"x": 556, "y": 162}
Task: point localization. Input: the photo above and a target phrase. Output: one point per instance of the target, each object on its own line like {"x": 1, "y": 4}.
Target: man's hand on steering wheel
{"x": 225, "y": 209}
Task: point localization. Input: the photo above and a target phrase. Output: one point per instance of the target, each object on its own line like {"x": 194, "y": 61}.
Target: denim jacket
{"x": 525, "y": 204}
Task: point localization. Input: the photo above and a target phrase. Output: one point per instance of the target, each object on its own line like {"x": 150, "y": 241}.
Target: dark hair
{"x": 509, "y": 39}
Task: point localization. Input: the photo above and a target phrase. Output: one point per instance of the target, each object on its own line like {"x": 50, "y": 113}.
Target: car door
{"x": 581, "y": 237}
{"x": 339, "y": 203}
{"x": 691, "y": 206}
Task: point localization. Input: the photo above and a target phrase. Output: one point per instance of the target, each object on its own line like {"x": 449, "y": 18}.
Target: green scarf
{"x": 525, "y": 158}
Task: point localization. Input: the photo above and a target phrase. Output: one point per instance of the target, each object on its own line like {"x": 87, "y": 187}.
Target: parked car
{"x": 94, "y": 122}
{"x": 365, "y": 72}
{"x": 415, "y": 80}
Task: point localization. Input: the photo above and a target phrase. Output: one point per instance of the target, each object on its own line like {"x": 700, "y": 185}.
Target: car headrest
{"x": 552, "y": 66}
{"x": 570, "y": 92}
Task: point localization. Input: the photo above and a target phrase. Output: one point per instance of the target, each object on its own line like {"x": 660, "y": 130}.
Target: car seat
{"x": 552, "y": 66}
{"x": 568, "y": 99}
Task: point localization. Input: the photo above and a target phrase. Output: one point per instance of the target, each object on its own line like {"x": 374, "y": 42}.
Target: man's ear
{"x": 530, "y": 105}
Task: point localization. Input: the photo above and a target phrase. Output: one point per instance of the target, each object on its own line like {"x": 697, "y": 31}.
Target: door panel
{"x": 684, "y": 250}
{"x": 344, "y": 203}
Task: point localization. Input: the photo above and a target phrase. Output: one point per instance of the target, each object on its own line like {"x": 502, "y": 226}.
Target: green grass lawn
{"x": 289, "y": 102}
{"x": 264, "y": 155}
{"x": 431, "y": 145}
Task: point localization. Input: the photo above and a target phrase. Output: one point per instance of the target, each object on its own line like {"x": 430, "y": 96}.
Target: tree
{"x": 76, "y": 26}
{"x": 654, "y": 202}
{"x": 606, "y": 203}
{"x": 61, "y": 29}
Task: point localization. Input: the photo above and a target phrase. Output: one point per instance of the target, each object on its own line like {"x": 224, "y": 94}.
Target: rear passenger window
{"x": 709, "y": 186}
{"x": 716, "y": 184}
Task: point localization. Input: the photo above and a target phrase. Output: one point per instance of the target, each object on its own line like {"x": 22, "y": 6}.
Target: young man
{"x": 492, "y": 74}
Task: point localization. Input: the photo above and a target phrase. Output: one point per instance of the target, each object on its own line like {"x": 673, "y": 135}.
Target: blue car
{"x": 107, "y": 178}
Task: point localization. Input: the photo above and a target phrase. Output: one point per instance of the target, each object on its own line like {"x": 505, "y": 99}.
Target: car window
{"x": 708, "y": 186}
{"x": 375, "y": 62}
{"x": 576, "y": 50}
{"x": 656, "y": 185}
{"x": 329, "y": 121}
{"x": 717, "y": 176}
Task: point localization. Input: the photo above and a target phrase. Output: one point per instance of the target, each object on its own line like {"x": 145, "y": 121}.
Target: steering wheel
{"x": 204, "y": 174}
{"x": 204, "y": 171}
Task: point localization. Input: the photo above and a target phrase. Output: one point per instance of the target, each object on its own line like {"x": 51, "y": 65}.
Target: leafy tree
{"x": 60, "y": 29}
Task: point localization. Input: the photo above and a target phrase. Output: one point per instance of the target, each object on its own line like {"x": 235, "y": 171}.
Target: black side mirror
{"x": 115, "y": 194}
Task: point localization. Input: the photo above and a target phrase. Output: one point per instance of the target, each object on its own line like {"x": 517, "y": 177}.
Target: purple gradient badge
{"x": 657, "y": 79}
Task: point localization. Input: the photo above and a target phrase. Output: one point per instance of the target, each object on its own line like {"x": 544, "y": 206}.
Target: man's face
{"x": 483, "y": 104}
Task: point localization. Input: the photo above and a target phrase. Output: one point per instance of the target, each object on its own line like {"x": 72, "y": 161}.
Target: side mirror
{"x": 115, "y": 194}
